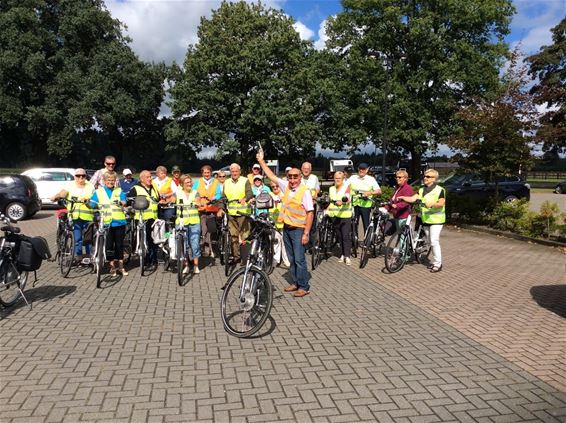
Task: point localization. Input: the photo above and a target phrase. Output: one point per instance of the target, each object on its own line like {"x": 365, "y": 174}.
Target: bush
{"x": 505, "y": 216}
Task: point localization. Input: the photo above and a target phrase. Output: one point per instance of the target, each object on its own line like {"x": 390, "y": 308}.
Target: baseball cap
{"x": 363, "y": 165}
{"x": 288, "y": 168}
{"x": 79, "y": 171}
{"x": 256, "y": 166}
{"x": 258, "y": 177}
{"x": 126, "y": 172}
{"x": 175, "y": 169}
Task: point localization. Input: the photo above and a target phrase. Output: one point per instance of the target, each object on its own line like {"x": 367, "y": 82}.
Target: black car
{"x": 560, "y": 188}
{"x": 474, "y": 187}
{"x": 390, "y": 180}
{"x": 18, "y": 196}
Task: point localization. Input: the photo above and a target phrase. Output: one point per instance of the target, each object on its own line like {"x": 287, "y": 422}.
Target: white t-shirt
{"x": 311, "y": 182}
{"x": 365, "y": 184}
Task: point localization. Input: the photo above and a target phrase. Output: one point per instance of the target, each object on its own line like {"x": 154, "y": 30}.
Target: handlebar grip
{"x": 9, "y": 228}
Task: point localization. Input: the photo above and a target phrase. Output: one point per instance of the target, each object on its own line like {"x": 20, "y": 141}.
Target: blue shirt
{"x": 94, "y": 204}
{"x": 126, "y": 185}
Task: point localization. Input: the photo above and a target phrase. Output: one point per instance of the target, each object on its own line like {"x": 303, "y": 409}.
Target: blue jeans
{"x": 296, "y": 253}
{"x": 193, "y": 239}
{"x": 79, "y": 227}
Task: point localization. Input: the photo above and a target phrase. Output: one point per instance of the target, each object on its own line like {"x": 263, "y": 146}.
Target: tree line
{"x": 406, "y": 75}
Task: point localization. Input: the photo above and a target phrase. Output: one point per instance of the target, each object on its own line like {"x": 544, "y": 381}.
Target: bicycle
{"x": 406, "y": 243}
{"x": 65, "y": 255}
{"x": 130, "y": 235}
{"x": 180, "y": 236}
{"x": 12, "y": 281}
{"x": 374, "y": 238}
{"x": 248, "y": 294}
{"x": 99, "y": 251}
{"x": 324, "y": 235}
{"x": 139, "y": 204}
{"x": 226, "y": 243}
{"x": 355, "y": 224}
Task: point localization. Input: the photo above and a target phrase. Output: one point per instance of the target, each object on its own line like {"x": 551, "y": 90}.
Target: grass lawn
{"x": 542, "y": 190}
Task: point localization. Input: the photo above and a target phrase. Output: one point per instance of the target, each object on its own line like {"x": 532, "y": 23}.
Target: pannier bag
{"x": 88, "y": 235}
{"x": 158, "y": 231}
{"x": 389, "y": 228}
{"x": 264, "y": 201}
{"x": 32, "y": 251}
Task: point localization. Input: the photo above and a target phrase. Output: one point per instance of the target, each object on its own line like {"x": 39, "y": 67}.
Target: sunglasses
{"x": 293, "y": 176}
{"x": 80, "y": 176}
{"x": 428, "y": 176}
{"x": 110, "y": 164}
{"x": 399, "y": 177}
{"x": 221, "y": 177}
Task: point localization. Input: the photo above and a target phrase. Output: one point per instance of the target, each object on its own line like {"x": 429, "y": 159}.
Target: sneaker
{"x": 186, "y": 270}
{"x": 197, "y": 270}
{"x": 85, "y": 261}
{"x": 348, "y": 261}
{"x": 341, "y": 259}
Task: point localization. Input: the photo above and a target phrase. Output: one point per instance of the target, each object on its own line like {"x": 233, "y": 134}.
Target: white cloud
{"x": 161, "y": 30}
{"x": 322, "y": 37}
{"x": 304, "y": 32}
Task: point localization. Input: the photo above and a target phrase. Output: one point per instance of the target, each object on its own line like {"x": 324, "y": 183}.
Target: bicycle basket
{"x": 140, "y": 203}
{"x": 264, "y": 201}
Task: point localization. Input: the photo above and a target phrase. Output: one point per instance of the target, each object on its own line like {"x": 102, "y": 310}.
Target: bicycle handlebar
{"x": 9, "y": 228}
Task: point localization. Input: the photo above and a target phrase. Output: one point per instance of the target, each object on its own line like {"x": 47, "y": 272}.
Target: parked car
{"x": 390, "y": 180}
{"x": 560, "y": 188}
{"x": 50, "y": 181}
{"x": 90, "y": 173}
{"x": 225, "y": 169}
{"x": 474, "y": 187}
{"x": 18, "y": 197}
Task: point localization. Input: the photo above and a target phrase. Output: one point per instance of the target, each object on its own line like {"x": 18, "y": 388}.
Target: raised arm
{"x": 272, "y": 176}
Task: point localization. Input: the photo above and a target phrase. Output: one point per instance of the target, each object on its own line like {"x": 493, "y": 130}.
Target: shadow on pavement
{"x": 267, "y": 329}
{"x": 39, "y": 294}
{"x": 42, "y": 215}
{"x": 551, "y": 297}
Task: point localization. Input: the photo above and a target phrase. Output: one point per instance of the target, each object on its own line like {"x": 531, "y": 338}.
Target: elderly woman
{"x": 111, "y": 196}
{"x": 341, "y": 212}
{"x": 165, "y": 186}
{"x": 401, "y": 209}
{"x": 257, "y": 188}
{"x": 433, "y": 214}
{"x": 190, "y": 219}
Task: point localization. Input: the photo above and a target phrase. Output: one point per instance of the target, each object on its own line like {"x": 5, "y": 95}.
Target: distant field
{"x": 11, "y": 171}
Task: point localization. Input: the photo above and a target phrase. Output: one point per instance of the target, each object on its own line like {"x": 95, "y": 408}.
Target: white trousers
{"x": 433, "y": 234}
{"x": 279, "y": 252}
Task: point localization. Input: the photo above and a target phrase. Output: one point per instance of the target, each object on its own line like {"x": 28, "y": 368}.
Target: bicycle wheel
{"x": 354, "y": 237}
{"x": 244, "y": 312}
{"x": 396, "y": 252}
{"x": 11, "y": 282}
{"x": 60, "y": 237}
{"x": 128, "y": 243}
{"x": 227, "y": 243}
{"x": 268, "y": 263}
{"x": 180, "y": 259}
{"x": 367, "y": 247}
{"x": 67, "y": 254}
{"x": 316, "y": 255}
{"x": 99, "y": 259}
{"x": 423, "y": 248}
{"x": 142, "y": 252}
{"x": 220, "y": 247}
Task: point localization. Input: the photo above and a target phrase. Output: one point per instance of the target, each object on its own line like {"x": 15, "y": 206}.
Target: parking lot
{"x": 483, "y": 340}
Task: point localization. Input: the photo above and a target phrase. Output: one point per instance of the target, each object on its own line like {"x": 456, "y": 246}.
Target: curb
{"x": 546, "y": 242}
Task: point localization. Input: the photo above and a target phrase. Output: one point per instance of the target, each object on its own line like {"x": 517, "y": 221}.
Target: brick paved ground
{"x": 467, "y": 344}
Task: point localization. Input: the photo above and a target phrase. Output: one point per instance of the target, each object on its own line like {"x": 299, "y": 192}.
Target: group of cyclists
{"x": 208, "y": 197}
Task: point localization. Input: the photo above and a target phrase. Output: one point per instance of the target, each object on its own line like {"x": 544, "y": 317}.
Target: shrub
{"x": 505, "y": 216}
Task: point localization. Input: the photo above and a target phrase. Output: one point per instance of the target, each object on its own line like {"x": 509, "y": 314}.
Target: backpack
{"x": 158, "y": 231}
{"x": 31, "y": 253}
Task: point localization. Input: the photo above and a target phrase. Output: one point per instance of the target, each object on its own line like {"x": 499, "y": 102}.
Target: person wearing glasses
{"x": 111, "y": 195}
{"x": 433, "y": 214}
{"x": 236, "y": 197}
{"x": 97, "y": 179}
{"x": 209, "y": 190}
{"x": 221, "y": 176}
{"x": 256, "y": 171}
{"x": 400, "y": 209}
{"x": 166, "y": 193}
{"x": 341, "y": 213}
{"x": 82, "y": 215}
{"x": 363, "y": 187}
{"x": 297, "y": 216}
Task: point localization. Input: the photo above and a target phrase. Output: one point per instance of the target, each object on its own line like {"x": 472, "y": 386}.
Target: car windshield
{"x": 455, "y": 180}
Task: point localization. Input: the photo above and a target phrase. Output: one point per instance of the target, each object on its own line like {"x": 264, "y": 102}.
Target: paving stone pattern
{"x": 356, "y": 349}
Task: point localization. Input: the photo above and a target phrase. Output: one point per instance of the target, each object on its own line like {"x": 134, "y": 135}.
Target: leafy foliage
{"x": 246, "y": 81}
{"x": 548, "y": 68}
{"x": 65, "y": 71}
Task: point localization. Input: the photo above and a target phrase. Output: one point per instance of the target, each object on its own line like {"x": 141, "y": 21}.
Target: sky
{"x": 161, "y": 30}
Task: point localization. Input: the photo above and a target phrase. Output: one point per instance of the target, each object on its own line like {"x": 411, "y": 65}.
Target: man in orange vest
{"x": 209, "y": 190}
{"x": 297, "y": 216}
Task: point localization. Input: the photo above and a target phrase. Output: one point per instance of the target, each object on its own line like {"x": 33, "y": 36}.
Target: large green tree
{"x": 415, "y": 62}
{"x": 548, "y": 69}
{"x": 246, "y": 81}
{"x": 66, "y": 71}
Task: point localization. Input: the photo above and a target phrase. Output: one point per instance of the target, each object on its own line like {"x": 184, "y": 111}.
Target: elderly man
{"x": 147, "y": 188}
{"x": 236, "y": 196}
{"x": 256, "y": 171}
{"x": 128, "y": 181}
{"x": 97, "y": 179}
{"x": 309, "y": 179}
{"x": 209, "y": 190}
{"x": 297, "y": 216}
{"x": 363, "y": 187}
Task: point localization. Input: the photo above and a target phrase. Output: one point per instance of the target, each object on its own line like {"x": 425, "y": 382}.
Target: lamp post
{"x": 387, "y": 66}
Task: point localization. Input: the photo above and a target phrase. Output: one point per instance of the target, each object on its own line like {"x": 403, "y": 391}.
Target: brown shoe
{"x": 291, "y": 288}
{"x": 301, "y": 293}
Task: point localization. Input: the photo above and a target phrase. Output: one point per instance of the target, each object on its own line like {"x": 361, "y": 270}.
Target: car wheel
{"x": 16, "y": 211}
{"x": 558, "y": 189}
{"x": 510, "y": 199}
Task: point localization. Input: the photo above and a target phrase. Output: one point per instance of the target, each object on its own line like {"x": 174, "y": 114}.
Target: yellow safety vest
{"x": 345, "y": 210}
{"x": 117, "y": 211}
{"x": 190, "y": 216}
{"x": 151, "y": 212}
{"x": 275, "y": 211}
{"x": 361, "y": 186}
{"x": 292, "y": 211}
{"x": 432, "y": 216}
{"x": 236, "y": 191}
{"x": 81, "y": 211}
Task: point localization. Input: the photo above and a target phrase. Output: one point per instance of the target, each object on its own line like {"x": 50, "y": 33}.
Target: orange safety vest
{"x": 292, "y": 211}
{"x": 203, "y": 203}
